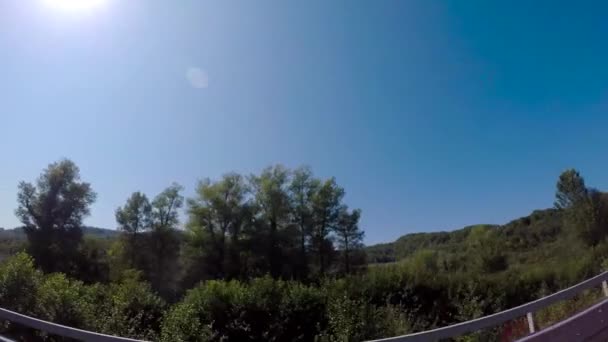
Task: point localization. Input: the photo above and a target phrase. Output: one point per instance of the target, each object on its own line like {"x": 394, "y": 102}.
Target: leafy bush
{"x": 358, "y": 320}
{"x": 263, "y": 310}
{"x": 302, "y": 312}
{"x": 19, "y": 282}
{"x": 66, "y": 301}
{"x": 183, "y": 323}
{"x": 130, "y": 309}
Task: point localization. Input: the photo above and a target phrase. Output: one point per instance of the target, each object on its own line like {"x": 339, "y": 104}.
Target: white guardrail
{"x": 425, "y": 336}
{"x": 58, "y": 329}
{"x": 503, "y": 316}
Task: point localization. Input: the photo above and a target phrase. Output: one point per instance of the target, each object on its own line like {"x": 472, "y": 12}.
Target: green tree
{"x": 133, "y": 219}
{"x": 52, "y": 212}
{"x": 591, "y": 217}
{"x": 326, "y": 205}
{"x": 272, "y": 200}
{"x": 349, "y": 236}
{"x": 217, "y": 216}
{"x": 166, "y": 205}
{"x": 302, "y": 190}
{"x": 586, "y": 209}
{"x": 164, "y": 244}
{"x": 571, "y": 190}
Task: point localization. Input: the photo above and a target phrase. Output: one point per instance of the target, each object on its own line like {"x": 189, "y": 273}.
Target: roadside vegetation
{"x": 279, "y": 256}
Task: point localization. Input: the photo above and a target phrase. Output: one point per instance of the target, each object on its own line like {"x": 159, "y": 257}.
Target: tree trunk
{"x": 346, "y": 255}
{"x": 274, "y": 256}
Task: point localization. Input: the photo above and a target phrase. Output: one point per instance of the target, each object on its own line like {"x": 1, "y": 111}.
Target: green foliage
{"x": 262, "y": 310}
{"x": 66, "y": 301}
{"x": 349, "y": 237}
{"x": 283, "y": 223}
{"x": 150, "y": 241}
{"x": 326, "y": 204}
{"x": 93, "y": 264}
{"x": 218, "y": 217}
{"x": 358, "y": 320}
{"x": 165, "y": 207}
{"x": 135, "y": 216}
{"x": 272, "y": 202}
{"x": 302, "y": 189}
{"x": 246, "y": 235}
{"x": 591, "y": 217}
{"x": 585, "y": 208}
{"x": 571, "y": 190}
{"x": 130, "y": 308}
{"x": 52, "y": 212}
{"x": 484, "y": 242}
{"x": 19, "y": 282}
{"x": 408, "y": 244}
{"x": 182, "y": 323}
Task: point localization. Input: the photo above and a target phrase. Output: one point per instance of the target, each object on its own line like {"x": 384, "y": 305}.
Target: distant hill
{"x": 100, "y": 232}
{"x": 518, "y": 237}
{"x": 19, "y": 234}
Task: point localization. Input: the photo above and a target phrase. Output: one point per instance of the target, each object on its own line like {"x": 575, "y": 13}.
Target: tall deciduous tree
{"x": 349, "y": 236}
{"x": 166, "y": 206}
{"x": 164, "y": 243}
{"x": 272, "y": 200}
{"x": 216, "y": 217}
{"x": 52, "y": 211}
{"x": 302, "y": 190}
{"x": 586, "y": 209}
{"x": 591, "y": 217}
{"x": 571, "y": 190}
{"x": 133, "y": 219}
{"x": 326, "y": 204}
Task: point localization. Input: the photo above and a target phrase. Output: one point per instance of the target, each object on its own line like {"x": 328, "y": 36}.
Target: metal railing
{"x": 588, "y": 325}
{"x": 496, "y": 319}
{"x": 58, "y": 329}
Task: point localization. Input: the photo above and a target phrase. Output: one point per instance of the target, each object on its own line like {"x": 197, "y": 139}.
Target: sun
{"x": 75, "y": 5}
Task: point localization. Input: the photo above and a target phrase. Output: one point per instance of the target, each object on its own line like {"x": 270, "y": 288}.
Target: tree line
{"x": 284, "y": 223}
{"x": 279, "y": 256}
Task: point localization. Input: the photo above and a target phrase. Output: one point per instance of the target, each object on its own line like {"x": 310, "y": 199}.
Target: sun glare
{"x": 75, "y": 5}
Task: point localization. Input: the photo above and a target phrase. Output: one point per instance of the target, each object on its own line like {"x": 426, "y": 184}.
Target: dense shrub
{"x": 66, "y": 301}
{"x": 262, "y": 310}
{"x": 130, "y": 309}
{"x": 19, "y": 282}
{"x": 183, "y": 323}
{"x": 127, "y": 308}
{"x": 358, "y": 320}
{"x": 385, "y": 301}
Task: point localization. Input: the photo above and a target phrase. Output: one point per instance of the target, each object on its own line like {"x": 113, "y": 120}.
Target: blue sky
{"x": 432, "y": 114}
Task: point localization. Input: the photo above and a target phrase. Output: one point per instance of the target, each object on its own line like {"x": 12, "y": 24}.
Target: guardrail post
{"x": 530, "y": 322}
{"x": 605, "y": 287}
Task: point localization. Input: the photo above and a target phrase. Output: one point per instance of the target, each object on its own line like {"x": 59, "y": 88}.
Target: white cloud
{"x": 197, "y": 77}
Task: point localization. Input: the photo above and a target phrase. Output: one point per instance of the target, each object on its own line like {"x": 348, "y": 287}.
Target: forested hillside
{"x": 518, "y": 242}
{"x": 14, "y": 240}
{"x": 279, "y": 256}
{"x": 95, "y": 232}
